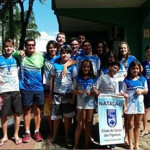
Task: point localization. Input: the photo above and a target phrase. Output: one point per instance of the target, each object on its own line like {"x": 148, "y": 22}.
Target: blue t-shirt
{"x": 146, "y": 74}
{"x": 128, "y": 61}
{"x": 84, "y": 101}
{"x": 48, "y": 65}
{"x": 95, "y": 62}
{"x": 133, "y": 85}
{"x": 30, "y": 71}
{"x": 74, "y": 57}
{"x": 135, "y": 103}
{"x": 9, "y": 80}
{"x": 63, "y": 84}
{"x": 104, "y": 70}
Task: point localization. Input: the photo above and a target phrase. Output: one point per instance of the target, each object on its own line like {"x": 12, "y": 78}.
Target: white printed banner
{"x": 110, "y": 108}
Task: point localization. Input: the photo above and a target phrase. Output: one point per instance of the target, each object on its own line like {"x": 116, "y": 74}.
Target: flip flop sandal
{"x": 143, "y": 133}
{"x": 3, "y": 142}
{"x": 18, "y": 141}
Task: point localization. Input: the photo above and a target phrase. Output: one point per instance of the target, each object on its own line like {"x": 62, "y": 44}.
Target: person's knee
{"x": 89, "y": 121}
{"x": 3, "y": 118}
{"x": 37, "y": 112}
{"x": 130, "y": 126}
{"x": 80, "y": 126}
{"x": 137, "y": 125}
{"x": 27, "y": 110}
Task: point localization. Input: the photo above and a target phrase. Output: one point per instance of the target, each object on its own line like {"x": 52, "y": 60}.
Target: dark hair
{"x": 82, "y": 35}
{"x": 107, "y": 58}
{"x": 73, "y": 39}
{"x": 54, "y": 43}
{"x": 65, "y": 48}
{"x": 105, "y": 46}
{"x": 91, "y": 73}
{"x": 133, "y": 64}
{"x": 86, "y": 41}
{"x": 8, "y": 41}
{"x": 62, "y": 33}
{"x": 120, "y": 55}
{"x": 115, "y": 63}
{"x": 147, "y": 47}
{"x": 29, "y": 39}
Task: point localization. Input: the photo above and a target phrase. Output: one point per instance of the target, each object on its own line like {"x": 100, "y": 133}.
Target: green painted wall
{"x": 133, "y": 20}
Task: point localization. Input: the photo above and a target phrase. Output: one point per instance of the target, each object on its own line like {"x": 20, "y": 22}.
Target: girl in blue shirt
{"x": 124, "y": 55}
{"x": 82, "y": 87}
{"x": 125, "y": 59}
{"x": 134, "y": 87}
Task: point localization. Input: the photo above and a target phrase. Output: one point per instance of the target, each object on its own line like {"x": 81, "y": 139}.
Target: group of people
{"x": 67, "y": 79}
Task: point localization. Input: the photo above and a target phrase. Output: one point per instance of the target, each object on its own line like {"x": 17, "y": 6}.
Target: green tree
{"x": 25, "y": 19}
{"x": 23, "y": 23}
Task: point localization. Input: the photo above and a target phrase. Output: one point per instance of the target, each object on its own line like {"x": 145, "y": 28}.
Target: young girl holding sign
{"x": 134, "y": 86}
{"x": 82, "y": 86}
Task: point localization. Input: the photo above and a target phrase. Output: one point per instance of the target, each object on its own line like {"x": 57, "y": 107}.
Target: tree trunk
{"x": 24, "y": 21}
{"x": 22, "y": 39}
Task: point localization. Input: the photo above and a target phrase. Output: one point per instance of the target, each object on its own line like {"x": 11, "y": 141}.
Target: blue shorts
{"x": 32, "y": 97}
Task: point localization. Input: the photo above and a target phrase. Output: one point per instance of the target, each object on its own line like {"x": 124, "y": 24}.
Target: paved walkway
{"x": 144, "y": 141}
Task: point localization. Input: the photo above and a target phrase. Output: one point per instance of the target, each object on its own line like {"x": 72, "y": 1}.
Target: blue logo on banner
{"x": 111, "y": 117}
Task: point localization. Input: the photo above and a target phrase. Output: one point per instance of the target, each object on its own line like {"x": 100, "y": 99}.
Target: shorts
{"x": 146, "y": 102}
{"x": 47, "y": 104}
{"x": 12, "y": 103}
{"x": 32, "y": 97}
{"x": 2, "y": 100}
{"x": 61, "y": 106}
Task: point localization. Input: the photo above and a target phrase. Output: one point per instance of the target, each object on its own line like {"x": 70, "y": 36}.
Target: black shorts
{"x": 61, "y": 106}
{"x": 12, "y": 104}
{"x": 146, "y": 102}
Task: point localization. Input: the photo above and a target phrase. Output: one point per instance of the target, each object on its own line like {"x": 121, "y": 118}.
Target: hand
{"x": 22, "y": 53}
{"x": 97, "y": 93}
{"x": 88, "y": 93}
{"x": 124, "y": 108}
{"x": 139, "y": 91}
{"x": 125, "y": 75}
{"x": 126, "y": 96}
{"x": 80, "y": 92}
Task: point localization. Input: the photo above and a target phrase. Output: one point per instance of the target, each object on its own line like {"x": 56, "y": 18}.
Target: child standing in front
{"x": 134, "y": 87}
{"x": 107, "y": 83}
{"x": 60, "y": 94}
{"x": 82, "y": 86}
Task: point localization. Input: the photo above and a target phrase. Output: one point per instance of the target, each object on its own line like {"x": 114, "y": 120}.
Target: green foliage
{"x": 31, "y": 30}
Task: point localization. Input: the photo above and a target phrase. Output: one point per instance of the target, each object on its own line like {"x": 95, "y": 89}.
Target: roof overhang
{"x": 78, "y": 25}
{"x": 98, "y": 3}
{"x": 70, "y": 24}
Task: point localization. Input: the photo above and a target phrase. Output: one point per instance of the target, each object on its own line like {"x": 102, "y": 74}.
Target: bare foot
{"x": 3, "y": 141}
{"x": 136, "y": 147}
{"x": 131, "y": 147}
